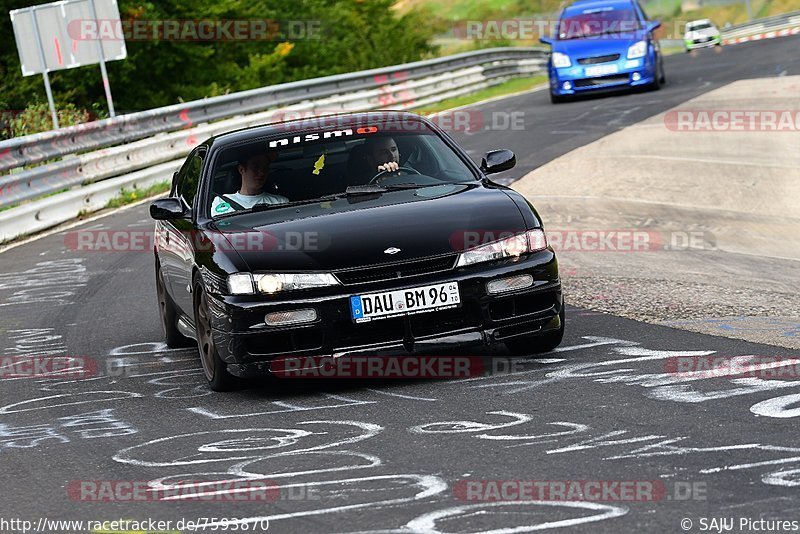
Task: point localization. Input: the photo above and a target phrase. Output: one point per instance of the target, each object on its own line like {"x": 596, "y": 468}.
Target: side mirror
{"x": 653, "y": 25}
{"x": 498, "y": 161}
{"x": 165, "y": 209}
{"x": 546, "y": 40}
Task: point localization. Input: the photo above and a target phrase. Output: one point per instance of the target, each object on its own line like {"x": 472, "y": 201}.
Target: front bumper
{"x": 692, "y": 44}
{"x": 247, "y": 344}
{"x": 619, "y": 74}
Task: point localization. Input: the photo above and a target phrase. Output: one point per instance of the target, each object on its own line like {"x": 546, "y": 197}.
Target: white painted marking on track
{"x": 778, "y": 407}
{"x": 457, "y": 427}
{"x": 409, "y": 397}
{"x": 427, "y": 522}
{"x": 122, "y": 395}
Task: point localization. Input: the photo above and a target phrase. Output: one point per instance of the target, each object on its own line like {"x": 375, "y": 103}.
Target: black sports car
{"x": 358, "y": 234}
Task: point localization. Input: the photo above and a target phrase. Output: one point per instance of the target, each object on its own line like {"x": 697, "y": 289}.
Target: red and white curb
{"x": 759, "y": 36}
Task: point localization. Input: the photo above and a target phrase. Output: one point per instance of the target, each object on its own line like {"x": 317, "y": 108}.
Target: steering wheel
{"x": 407, "y": 170}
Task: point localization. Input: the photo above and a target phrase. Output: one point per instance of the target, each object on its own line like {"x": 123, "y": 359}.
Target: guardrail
{"x": 35, "y": 148}
{"x": 178, "y": 128}
{"x": 83, "y": 169}
{"x": 776, "y": 23}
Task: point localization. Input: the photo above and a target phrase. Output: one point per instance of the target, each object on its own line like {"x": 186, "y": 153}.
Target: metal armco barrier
{"x": 767, "y": 24}
{"x": 130, "y": 164}
{"x": 36, "y": 148}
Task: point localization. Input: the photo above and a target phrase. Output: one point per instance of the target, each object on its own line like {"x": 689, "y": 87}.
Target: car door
{"x": 164, "y": 237}
{"x": 182, "y": 233}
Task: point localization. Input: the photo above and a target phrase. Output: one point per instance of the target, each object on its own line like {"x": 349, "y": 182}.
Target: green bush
{"x": 37, "y": 118}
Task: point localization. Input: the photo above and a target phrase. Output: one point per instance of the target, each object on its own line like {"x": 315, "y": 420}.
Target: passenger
{"x": 254, "y": 171}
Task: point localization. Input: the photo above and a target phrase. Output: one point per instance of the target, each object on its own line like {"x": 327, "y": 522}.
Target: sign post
{"x": 46, "y": 76}
{"x": 50, "y": 37}
{"x": 102, "y": 61}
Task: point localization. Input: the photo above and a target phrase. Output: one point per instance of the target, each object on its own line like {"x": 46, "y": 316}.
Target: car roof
{"x": 700, "y": 21}
{"x": 590, "y": 4}
{"x": 318, "y": 123}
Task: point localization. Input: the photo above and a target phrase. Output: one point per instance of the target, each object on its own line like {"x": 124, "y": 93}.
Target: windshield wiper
{"x": 372, "y": 189}
{"x": 265, "y": 206}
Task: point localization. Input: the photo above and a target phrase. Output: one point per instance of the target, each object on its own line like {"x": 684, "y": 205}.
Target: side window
{"x": 189, "y": 178}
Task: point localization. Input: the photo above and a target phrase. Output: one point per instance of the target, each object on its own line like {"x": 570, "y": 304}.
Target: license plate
{"x": 600, "y": 70}
{"x": 364, "y": 308}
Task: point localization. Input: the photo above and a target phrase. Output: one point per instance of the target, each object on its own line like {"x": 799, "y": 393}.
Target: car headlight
{"x": 560, "y": 60}
{"x": 637, "y": 50}
{"x": 510, "y": 247}
{"x": 240, "y": 284}
{"x": 248, "y": 284}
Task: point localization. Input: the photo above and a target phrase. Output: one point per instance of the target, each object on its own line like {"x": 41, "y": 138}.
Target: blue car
{"x": 603, "y": 45}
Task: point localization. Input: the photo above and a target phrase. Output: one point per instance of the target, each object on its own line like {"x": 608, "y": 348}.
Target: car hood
{"x": 356, "y": 231}
{"x": 599, "y": 46}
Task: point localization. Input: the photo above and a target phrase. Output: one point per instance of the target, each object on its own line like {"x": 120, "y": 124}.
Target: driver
{"x": 382, "y": 154}
{"x": 254, "y": 171}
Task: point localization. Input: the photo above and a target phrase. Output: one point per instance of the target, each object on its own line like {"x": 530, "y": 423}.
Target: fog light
{"x": 566, "y": 86}
{"x": 509, "y": 284}
{"x": 636, "y": 76}
{"x": 283, "y": 318}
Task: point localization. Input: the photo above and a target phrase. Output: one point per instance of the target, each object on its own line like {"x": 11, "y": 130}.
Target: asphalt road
{"x": 608, "y": 407}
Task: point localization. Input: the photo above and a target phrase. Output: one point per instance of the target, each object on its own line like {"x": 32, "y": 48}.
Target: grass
{"x": 129, "y": 196}
{"x": 506, "y": 88}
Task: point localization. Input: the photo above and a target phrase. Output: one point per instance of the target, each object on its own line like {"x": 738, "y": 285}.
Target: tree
{"x": 346, "y": 36}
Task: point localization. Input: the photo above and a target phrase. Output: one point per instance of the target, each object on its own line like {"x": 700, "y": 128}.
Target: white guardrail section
{"x": 780, "y": 25}
{"x": 97, "y": 176}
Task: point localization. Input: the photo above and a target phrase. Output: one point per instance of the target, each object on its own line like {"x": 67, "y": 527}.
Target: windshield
{"x": 581, "y": 23}
{"x": 698, "y": 26}
{"x": 305, "y": 165}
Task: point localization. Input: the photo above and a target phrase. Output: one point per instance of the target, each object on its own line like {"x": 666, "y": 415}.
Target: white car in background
{"x": 701, "y": 33}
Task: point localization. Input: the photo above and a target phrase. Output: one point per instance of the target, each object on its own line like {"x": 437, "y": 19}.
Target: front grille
{"x": 602, "y": 80}
{"x": 468, "y": 315}
{"x": 377, "y": 273}
{"x": 349, "y": 334}
{"x": 394, "y": 330}
{"x": 598, "y": 59}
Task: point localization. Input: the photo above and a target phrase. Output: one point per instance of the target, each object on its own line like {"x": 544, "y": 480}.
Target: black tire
{"x": 662, "y": 77}
{"x": 656, "y": 85}
{"x": 214, "y": 369}
{"x": 537, "y": 344}
{"x": 169, "y": 315}
{"x": 557, "y": 99}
